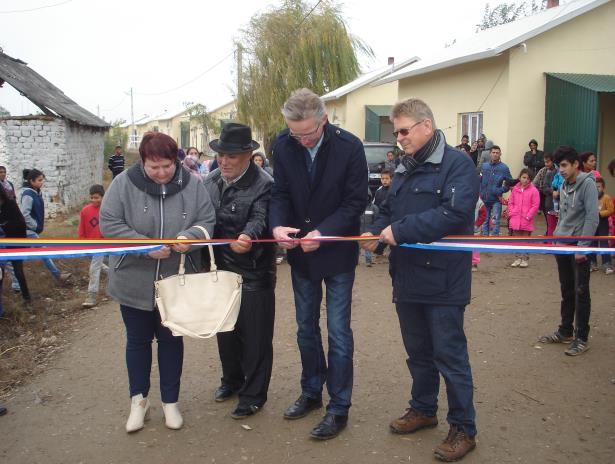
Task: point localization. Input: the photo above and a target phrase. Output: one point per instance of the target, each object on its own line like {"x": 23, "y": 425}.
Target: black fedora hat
{"x": 234, "y": 138}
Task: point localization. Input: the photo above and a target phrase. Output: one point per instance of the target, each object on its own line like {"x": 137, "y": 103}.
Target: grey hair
{"x": 413, "y": 108}
{"x": 303, "y": 104}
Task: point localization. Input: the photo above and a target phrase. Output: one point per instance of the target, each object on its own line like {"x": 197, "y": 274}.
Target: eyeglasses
{"x": 405, "y": 131}
{"x": 305, "y": 136}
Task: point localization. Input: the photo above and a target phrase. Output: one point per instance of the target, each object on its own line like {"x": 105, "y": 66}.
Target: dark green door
{"x": 572, "y": 116}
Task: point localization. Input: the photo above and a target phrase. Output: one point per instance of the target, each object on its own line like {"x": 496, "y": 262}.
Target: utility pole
{"x": 133, "y": 130}
{"x": 239, "y": 69}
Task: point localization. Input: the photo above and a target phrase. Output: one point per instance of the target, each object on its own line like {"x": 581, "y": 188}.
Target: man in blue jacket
{"x": 320, "y": 188}
{"x": 494, "y": 182}
{"x": 433, "y": 194}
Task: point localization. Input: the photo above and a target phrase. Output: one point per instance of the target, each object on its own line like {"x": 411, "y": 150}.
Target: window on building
{"x": 471, "y": 124}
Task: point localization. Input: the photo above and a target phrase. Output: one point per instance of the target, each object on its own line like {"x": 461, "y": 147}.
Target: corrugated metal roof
{"x": 496, "y": 40}
{"x": 366, "y": 79}
{"x": 44, "y": 94}
{"x": 595, "y": 82}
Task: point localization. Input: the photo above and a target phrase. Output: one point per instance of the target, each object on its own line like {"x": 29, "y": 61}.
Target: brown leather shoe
{"x": 456, "y": 445}
{"x": 411, "y": 421}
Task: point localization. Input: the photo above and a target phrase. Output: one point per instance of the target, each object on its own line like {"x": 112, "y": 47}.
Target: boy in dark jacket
{"x": 116, "y": 162}
{"x": 495, "y": 181}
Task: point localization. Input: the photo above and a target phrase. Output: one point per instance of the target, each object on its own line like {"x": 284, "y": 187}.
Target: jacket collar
{"x": 244, "y": 182}
{"x": 180, "y": 180}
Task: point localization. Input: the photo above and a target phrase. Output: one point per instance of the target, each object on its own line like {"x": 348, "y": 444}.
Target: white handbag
{"x": 199, "y": 305}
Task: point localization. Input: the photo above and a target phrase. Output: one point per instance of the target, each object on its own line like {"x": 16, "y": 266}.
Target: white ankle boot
{"x": 172, "y": 417}
{"x": 139, "y": 413}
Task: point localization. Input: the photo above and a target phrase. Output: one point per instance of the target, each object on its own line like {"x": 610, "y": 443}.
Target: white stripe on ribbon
{"x": 491, "y": 247}
{"x": 43, "y": 253}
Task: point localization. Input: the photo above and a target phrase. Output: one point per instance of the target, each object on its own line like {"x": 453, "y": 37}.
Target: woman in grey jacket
{"x": 155, "y": 198}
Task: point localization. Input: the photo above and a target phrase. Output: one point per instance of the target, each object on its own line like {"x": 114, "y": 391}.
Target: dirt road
{"x": 534, "y": 404}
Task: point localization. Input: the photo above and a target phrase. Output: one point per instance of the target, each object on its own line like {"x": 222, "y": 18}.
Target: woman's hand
{"x": 242, "y": 245}
{"x": 163, "y": 253}
{"x": 181, "y": 247}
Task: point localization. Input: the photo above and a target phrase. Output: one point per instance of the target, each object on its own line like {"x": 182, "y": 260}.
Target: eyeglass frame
{"x": 407, "y": 129}
{"x": 303, "y": 136}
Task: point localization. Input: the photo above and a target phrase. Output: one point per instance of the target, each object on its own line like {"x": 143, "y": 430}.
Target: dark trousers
{"x": 246, "y": 353}
{"x": 21, "y": 279}
{"x": 576, "y": 299}
{"x": 338, "y": 371}
{"x": 141, "y": 328}
{"x": 436, "y": 344}
{"x": 602, "y": 230}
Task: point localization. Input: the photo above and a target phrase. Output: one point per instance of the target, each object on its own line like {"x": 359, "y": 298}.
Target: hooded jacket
{"x": 33, "y": 209}
{"x": 485, "y": 155}
{"x": 578, "y": 208}
{"x": 523, "y": 204}
{"x": 137, "y": 207}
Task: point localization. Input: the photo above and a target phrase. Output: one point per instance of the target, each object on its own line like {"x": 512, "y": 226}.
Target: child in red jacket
{"x": 523, "y": 205}
{"x": 89, "y": 228}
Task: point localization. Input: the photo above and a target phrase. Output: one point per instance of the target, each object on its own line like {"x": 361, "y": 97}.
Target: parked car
{"x": 376, "y": 154}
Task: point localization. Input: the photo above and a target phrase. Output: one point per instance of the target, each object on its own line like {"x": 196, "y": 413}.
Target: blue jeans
{"x": 51, "y": 267}
{"x": 494, "y": 211}
{"x": 436, "y": 344}
{"x": 141, "y": 327}
{"x": 338, "y": 373}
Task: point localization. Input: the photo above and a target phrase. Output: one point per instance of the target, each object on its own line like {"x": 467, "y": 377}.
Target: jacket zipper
{"x": 119, "y": 263}
{"x": 164, "y": 192}
{"x": 453, "y": 197}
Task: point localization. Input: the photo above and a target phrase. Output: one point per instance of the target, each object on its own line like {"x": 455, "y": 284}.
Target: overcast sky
{"x": 95, "y": 51}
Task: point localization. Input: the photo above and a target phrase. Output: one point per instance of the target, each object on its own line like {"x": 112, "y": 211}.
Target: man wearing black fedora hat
{"x": 320, "y": 188}
{"x": 240, "y": 192}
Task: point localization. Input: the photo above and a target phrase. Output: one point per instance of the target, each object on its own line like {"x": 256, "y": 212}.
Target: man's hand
{"x": 386, "y": 236}
{"x": 309, "y": 246}
{"x": 580, "y": 258}
{"x": 163, "y": 253}
{"x": 242, "y": 245}
{"x": 369, "y": 245}
{"x": 181, "y": 247}
{"x": 281, "y": 233}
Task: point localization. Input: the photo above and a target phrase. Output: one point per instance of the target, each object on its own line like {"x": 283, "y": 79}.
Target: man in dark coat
{"x": 433, "y": 194}
{"x": 240, "y": 192}
{"x": 534, "y": 159}
{"x": 320, "y": 188}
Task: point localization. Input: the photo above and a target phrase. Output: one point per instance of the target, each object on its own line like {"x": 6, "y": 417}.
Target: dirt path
{"x": 533, "y": 403}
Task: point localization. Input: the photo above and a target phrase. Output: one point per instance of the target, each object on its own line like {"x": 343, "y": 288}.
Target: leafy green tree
{"x": 291, "y": 47}
{"x": 201, "y": 118}
{"x": 4, "y": 113}
{"x": 508, "y": 12}
{"x": 115, "y": 136}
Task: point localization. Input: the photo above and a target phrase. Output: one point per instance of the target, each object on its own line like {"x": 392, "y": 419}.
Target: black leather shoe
{"x": 302, "y": 407}
{"x": 329, "y": 427}
{"x": 242, "y": 411}
{"x": 223, "y": 393}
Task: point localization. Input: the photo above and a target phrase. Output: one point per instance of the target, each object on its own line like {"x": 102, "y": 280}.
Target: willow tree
{"x": 288, "y": 48}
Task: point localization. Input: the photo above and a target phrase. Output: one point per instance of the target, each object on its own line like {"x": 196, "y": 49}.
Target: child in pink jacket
{"x": 523, "y": 205}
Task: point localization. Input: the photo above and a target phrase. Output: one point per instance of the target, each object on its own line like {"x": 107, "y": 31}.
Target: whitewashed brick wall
{"x": 70, "y": 156}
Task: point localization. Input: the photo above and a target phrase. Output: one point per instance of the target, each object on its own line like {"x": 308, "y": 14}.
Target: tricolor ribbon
{"x": 74, "y": 248}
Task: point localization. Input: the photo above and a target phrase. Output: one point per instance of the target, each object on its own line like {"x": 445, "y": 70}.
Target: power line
{"x": 211, "y": 68}
{"x": 36, "y": 9}
{"x": 309, "y": 13}
{"x": 116, "y": 106}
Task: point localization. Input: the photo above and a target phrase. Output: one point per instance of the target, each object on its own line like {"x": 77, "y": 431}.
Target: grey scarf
{"x": 411, "y": 162}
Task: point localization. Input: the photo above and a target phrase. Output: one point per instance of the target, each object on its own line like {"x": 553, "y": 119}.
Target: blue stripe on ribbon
{"x": 20, "y": 256}
{"x": 550, "y": 250}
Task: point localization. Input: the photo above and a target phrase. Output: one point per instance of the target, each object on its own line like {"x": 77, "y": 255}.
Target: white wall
{"x": 70, "y": 156}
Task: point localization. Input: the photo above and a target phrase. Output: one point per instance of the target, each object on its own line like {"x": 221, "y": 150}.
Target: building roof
{"x": 595, "y": 82}
{"x": 496, "y": 40}
{"x": 50, "y": 99}
{"x": 366, "y": 79}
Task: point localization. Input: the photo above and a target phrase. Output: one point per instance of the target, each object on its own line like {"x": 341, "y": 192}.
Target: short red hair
{"x": 158, "y": 145}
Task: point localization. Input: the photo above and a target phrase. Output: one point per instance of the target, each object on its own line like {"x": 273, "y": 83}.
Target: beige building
{"x": 550, "y": 76}
{"x": 363, "y": 109}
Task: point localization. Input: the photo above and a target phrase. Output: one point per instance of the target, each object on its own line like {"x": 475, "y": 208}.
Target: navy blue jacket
{"x": 436, "y": 200}
{"x": 494, "y": 181}
{"x": 332, "y": 203}
{"x": 37, "y": 212}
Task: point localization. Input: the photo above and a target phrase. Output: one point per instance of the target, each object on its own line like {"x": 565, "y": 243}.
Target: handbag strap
{"x": 212, "y": 260}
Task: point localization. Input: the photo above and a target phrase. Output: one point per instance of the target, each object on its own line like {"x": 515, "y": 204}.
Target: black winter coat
{"x": 12, "y": 221}
{"x": 332, "y": 204}
{"x": 241, "y": 208}
{"x": 436, "y": 200}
